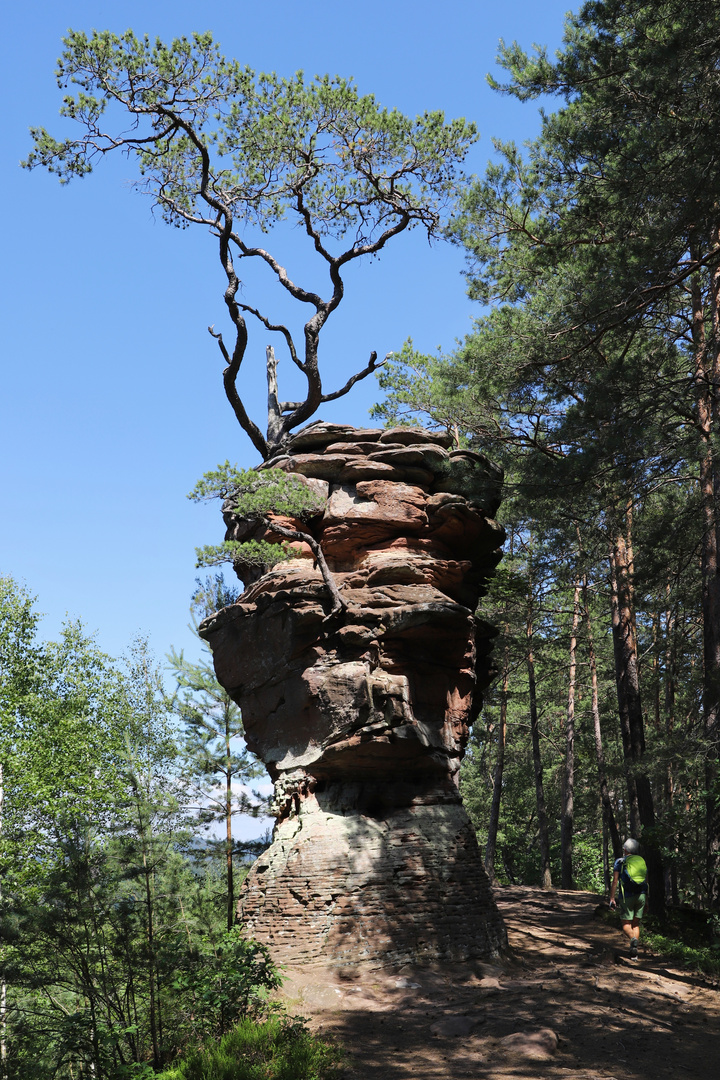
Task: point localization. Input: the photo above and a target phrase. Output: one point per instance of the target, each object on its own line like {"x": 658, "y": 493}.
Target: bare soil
{"x": 566, "y": 1003}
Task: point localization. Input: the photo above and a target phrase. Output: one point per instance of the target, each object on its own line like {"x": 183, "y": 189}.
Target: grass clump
{"x": 279, "y": 1048}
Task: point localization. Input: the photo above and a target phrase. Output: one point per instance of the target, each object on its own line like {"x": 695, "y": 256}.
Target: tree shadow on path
{"x": 567, "y": 974}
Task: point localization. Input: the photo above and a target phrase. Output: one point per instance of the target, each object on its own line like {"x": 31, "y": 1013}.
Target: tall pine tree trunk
{"x": 627, "y": 687}
{"x": 609, "y": 823}
{"x": 499, "y": 768}
{"x": 544, "y": 837}
{"x": 642, "y": 810}
{"x": 671, "y": 879}
{"x": 706, "y": 378}
{"x": 568, "y": 789}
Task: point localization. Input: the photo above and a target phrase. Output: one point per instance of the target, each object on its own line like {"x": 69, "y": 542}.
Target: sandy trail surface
{"x": 566, "y": 1003}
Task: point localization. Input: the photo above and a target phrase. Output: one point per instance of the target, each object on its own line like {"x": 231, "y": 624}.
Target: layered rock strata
{"x": 362, "y": 719}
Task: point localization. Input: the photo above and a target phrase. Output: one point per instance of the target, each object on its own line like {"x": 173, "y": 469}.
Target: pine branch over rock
{"x": 271, "y": 501}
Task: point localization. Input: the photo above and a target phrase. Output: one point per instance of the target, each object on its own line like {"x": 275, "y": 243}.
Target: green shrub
{"x": 223, "y": 982}
{"x": 677, "y": 938}
{"x": 280, "y": 1048}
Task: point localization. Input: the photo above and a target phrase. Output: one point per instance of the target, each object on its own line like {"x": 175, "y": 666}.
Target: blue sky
{"x": 112, "y": 404}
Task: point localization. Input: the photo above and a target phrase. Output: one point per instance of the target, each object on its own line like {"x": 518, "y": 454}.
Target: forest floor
{"x": 567, "y": 1003}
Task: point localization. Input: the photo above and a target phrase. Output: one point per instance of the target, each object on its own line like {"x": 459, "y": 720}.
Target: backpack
{"x": 633, "y": 876}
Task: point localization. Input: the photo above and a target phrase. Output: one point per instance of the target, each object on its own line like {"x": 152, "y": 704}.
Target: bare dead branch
{"x": 276, "y": 328}
{"x": 372, "y": 366}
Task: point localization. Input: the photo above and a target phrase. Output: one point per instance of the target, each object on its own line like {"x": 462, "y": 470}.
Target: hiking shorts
{"x": 632, "y": 905}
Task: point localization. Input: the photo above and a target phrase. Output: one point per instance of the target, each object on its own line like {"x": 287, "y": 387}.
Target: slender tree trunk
{"x": 657, "y": 711}
{"x": 568, "y": 808}
{"x": 499, "y": 768}
{"x": 671, "y": 883}
{"x": 623, "y": 681}
{"x": 609, "y": 824}
{"x": 545, "y": 875}
{"x": 228, "y": 825}
{"x": 642, "y": 809}
{"x": 707, "y": 378}
{"x": 606, "y": 853}
{"x": 670, "y": 662}
{"x": 494, "y": 822}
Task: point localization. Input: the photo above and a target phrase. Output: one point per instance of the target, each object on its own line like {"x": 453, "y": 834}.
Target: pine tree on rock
{"x": 351, "y": 174}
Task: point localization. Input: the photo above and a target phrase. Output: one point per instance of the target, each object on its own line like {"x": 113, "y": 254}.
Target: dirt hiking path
{"x": 566, "y": 1004}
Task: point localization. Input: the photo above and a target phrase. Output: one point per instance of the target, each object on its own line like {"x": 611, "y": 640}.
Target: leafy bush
{"x": 223, "y": 983}
{"x": 280, "y": 1048}
{"x": 680, "y": 938}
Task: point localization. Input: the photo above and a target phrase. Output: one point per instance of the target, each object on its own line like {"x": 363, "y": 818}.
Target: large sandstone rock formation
{"x": 362, "y": 720}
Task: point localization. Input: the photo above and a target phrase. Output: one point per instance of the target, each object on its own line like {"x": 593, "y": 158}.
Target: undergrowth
{"x": 280, "y": 1048}
{"x": 683, "y": 936}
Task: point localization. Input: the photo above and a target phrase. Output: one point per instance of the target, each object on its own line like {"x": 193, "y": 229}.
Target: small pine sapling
{"x": 263, "y": 497}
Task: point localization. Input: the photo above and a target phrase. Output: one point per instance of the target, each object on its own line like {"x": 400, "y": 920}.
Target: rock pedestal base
{"x": 406, "y": 886}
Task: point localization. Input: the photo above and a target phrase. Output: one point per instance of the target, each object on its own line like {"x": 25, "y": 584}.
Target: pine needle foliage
{"x": 218, "y": 146}
{"x": 256, "y": 553}
{"x": 255, "y": 496}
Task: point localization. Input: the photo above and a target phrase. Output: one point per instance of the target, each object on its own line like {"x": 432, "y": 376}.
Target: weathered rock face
{"x": 362, "y": 721}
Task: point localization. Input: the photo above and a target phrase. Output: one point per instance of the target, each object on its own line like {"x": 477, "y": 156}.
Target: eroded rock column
{"x": 362, "y": 721}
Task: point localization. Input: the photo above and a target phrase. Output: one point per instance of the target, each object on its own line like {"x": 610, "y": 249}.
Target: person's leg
{"x": 634, "y": 938}
{"x": 631, "y": 912}
{"x": 638, "y": 912}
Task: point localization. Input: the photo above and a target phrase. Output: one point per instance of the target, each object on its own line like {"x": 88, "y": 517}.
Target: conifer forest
{"x": 593, "y": 379}
{"x": 591, "y": 375}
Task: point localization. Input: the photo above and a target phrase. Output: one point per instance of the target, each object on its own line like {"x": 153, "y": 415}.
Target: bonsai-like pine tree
{"x": 218, "y": 147}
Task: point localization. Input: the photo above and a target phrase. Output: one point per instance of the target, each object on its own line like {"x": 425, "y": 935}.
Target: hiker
{"x": 630, "y": 876}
